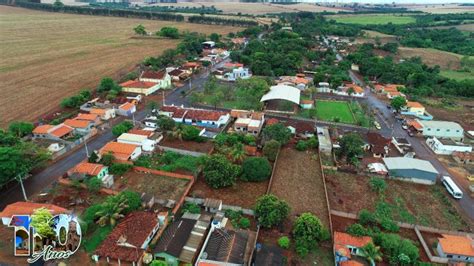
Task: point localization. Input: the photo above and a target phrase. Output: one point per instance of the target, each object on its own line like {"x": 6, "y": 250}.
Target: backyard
{"x": 407, "y": 202}
{"x": 334, "y": 111}
{"x": 373, "y": 19}
{"x": 297, "y": 180}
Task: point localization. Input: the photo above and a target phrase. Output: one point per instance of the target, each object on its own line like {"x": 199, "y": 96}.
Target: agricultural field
{"x": 440, "y": 8}
{"x": 49, "y": 56}
{"x": 297, "y": 180}
{"x": 457, "y": 75}
{"x": 372, "y": 19}
{"x": 331, "y": 110}
{"x": 352, "y": 193}
{"x": 432, "y": 57}
{"x": 256, "y": 8}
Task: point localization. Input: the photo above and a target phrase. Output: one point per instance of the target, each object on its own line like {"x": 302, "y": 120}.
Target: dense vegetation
{"x": 420, "y": 79}
{"x": 222, "y": 21}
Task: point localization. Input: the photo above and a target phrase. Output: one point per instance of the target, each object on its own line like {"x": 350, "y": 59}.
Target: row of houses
{"x": 347, "y": 89}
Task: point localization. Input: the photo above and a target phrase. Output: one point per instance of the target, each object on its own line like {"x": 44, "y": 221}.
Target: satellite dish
{"x": 147, "y": 258}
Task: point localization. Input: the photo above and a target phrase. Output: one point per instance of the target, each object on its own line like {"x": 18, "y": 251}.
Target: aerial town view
{"x": 228, "y": 133}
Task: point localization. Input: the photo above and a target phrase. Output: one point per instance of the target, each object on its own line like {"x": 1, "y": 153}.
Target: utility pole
{"x": 22, "y": 187}
{"x": 163, "y": 98}
{"x": 85, "y": 145}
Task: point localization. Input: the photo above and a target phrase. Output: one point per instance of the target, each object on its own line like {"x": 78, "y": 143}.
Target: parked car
{"x": 377, "y": 125}
{"x": 470, "y": 178}
{"x": 389, "y": 107}
{"x": 404, "y": 126}
{"x": 411, "y": 134}
{"x": 451, "y": 187}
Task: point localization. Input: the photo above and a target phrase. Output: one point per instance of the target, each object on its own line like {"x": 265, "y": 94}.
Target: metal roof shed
{"x": 415, "y": 170}
{"x": 283, "y": 92}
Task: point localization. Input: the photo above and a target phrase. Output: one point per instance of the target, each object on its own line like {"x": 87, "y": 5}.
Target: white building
{"x": 447, "y": 146}
{"x": 237, "y": 73}
{"x": 324, "y": 139}
{"x": 442, "y": 129}
{"x": 140, "y": 140}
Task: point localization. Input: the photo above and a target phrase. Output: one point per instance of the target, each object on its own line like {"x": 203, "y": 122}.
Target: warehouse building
{"x": 442, "y": 130}
{"x": 413, "y": 170}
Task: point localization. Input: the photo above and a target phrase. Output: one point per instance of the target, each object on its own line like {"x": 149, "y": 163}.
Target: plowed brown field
{"x": 45, "y": 57}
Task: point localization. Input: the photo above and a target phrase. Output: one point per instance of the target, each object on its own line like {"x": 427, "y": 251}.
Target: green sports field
{"x": 334, "y": 110}
{"x": 372, "y": 19}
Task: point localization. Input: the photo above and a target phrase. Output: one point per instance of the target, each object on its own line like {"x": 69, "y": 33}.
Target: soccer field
{"x": 334, "y": 110}
{"x": 373, "y": 19}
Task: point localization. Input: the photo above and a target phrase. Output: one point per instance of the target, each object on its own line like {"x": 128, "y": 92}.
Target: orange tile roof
{"x": 126, "y": 106}
{"x": 395, "y": 93}
{"x": 91, "y": 169}
{"x": 351, "y": 263}
{"x": 356, "y": 88}
{"x": 346, "y": 239}
{"x": 77, "y": 123}
{"x": 272, "y": 121}
{"x": 414, "y": 104}
{"x": 62, "y": 131}
{"x": 27, "y": 208}
{"x": 43, "y": 129}
{"x": 299, "y": 80}
{"x": 138, "y": 84}
{"x": 87, "y": 117}
{"x": 415, "y": 124}
{"x": 307, "y": 101}
{"x": 97, "y": 111}
{"x": 121, "y": 151}
{"x": 460, "y": 245}
{"x": 232, "y": 65}
{"x": 141, "y": 132}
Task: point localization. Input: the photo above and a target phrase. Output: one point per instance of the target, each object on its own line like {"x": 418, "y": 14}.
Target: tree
{"x": 372, "y": 253}
{"x": 93, "y": 158}
{"x": 377, "y": 184}
{"x": 93, "y": 184}
{"x": 248, "y": 93}
{"x": 58, "y": 4}
{"x": 42, "y": 221}
{"x": 307, "y": 232}
{"x": 190, "y": 133}
{"x": 277, "y": 132}
{"x": 237, "y": 153}
{"x": 271, "y": 148}
{"x": 152, "y": 106}
{"x": 140, "y": 29}
{"x": 256, "y": 169}
{"x": 301, "y": 145}
{"x": 284, "y": 242}
{"x": 20, "y": 129}
{"x": 112, "y": 209}
{"x": 170, "y": 32}
{"x": 351, "y": 147}
{"x": 108, "y": 84}
{"x": 158, "y": 263}
{"x": 121, "y": 128}
{"x": 356, "y": 230}
{"x": 214, "y": 37}
{"x": 219, "y": 172}
{"x": 398, "y": 103}
{"x": 216, "y": 98}
{"x": 367, "y": 218}
{"x": 270, "y": 210}
{"x": 166, "y": 123}
{"x": 107, "y": 159}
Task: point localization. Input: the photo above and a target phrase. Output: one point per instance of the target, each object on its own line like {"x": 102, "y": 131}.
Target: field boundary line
{"x": 323, "y": 177}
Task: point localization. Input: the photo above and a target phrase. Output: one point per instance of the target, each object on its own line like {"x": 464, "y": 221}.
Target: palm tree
{"x": 111, "y": 211}
{"x": 238, "y": 153}
{"x": 178, "y": 133}
{"x": 311, "y": 90}
{"x": 372, "y": 253}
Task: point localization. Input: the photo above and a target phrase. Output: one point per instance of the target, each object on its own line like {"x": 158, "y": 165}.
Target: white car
{"x": 377, "y": 125}
{"x": 405, "y": 127}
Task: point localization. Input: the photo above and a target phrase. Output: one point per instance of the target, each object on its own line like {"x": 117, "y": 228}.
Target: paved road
{"x": 393, "y": 128}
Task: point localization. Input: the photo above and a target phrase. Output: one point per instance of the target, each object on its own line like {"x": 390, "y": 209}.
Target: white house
{"x": 141, "y": 140}
{"x": 126, "y": 109}
{"x": 141, "y": 87}
{"x": 197, "y": 117}
{"x": 122, "y": 151}
{"x": 456, "y": 248}
{"x": 237, "y": 73}
{"x": 447, "y": 146}
{"x": 105, "y": 113}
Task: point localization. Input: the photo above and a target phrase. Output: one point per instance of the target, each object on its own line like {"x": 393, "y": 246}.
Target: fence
{"x": 325, "y": 192}
{"x": 180, "y": 151}
{"x": 200, "y": 201}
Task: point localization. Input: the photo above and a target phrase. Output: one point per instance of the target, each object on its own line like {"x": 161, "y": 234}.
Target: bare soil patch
{"x": 297, "y": 180}
{"x": 48, "y": 56}
{"x": 351, "y": 193}
{"x": 432, "y": 57}
{"x": 204, "y": 147}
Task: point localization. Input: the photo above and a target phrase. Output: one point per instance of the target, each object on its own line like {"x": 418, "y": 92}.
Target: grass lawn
{"x": 329, "y": 110}
{"x": 452, "y": 74}
{"x": 90, "y": 244}
{"x": 373, "y": 19}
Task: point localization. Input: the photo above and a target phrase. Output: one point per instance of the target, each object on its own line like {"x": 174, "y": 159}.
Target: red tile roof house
{"x": 197, "y": 117}
{"x": 247, "y": 121}
{"x": 140, "y": 87}
{"x": 122, "y": 152}
{"x": 57, "y": 132}
{"x": 27, "y": 208}
{"x": 126, "y": 109}
{"x": 345, "y": 246}
{"x": 456, "y": 248}
{"x": 377, "y": 144}
{"x": 94, "y": 118}
{"x": 130, "y": 238}
{"x": 162, "y": 78}
{"x": 86, "y": 170}
{"x": 104, "y": 113}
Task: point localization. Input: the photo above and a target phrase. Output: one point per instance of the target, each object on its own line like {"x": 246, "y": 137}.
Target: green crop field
{"x": 333, "y": 111}
{"x": 372, "y": 19}
{"x": 457, "y": 75}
